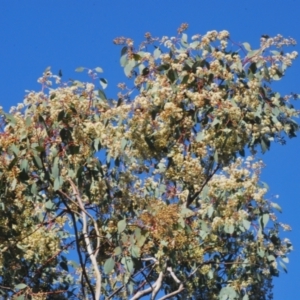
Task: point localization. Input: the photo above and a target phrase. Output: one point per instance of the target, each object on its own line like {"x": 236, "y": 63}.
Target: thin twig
{"x": 85, "y": 275}
{"x": 89, "y": 215}
{"x": 116, "y": 291}
{"x": 122, "y": 286}
{"x": 193, "y": 197}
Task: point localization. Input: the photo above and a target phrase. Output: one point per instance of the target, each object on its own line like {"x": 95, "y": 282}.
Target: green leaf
{"x": 117, "y": 251}
{"x": 150, "y": 142}
{"x": 247, "y": 46}
{"x": 229, "y": 228}
{"x": 124, "y": 50}
{"x": 276, "y": 206}
{"x": 186, "y": 212}
{"x": 127, "y": 70}
{"x": 123, "y": 60}
{"x": 136, "y": 57}
{"x": 265, "y": 144}
{"x": 210, "y": 211}
{"x": 123, "y": 143}
{"x": 141, "y": 240}
{"x": 20, "y": 286}
{"x": 172, "y": 75}
{"x": 49, "y": 205}
{"x": 28, "y": 122}
{"x": 109, "y": 265}
{"x": 283, "y": 266}
{"x": 102, "y": 95}
{"x": 246, "y": 224}
{"x": 57, "y": 183}
{"x": 97, "y": 144}
{"x": 215, "y": 122}
{"x": 14, "y": 149}
{"x": 47, "y": 69}
{"x": 40, "y": 149}
{"x": 55, "y": 168}
{"x": 194, "y": 44}
{"x": 61, "y": 115}
{"x": 121, "y": 225}
{"x": 73, "y": 149}
{"x": 264, "y": 220}
{"x": 73, "y": 264}
{"x": 135, "y": 251}
{"x": 252, "y": 53}
{"x": 11, "y": 118}
{"x": 79, "y": 69}
{"x": 141, "y": 67}
{"x": 261, "y": 252}
{"x": 128, "y": 263}
{"x": 157, "y": 53}
{"x": 98, "y": 70}
{"x": 199, "y": 136}
{"x": 66, "y": 135}
{"x": 242, "y": 152}
{"x": 216, "y": 157}
{"x": 184, "y": 40}
{"x": 227, "y": 293}
{"x": 103, "y": 83}
{"x": 24, "y": 165}
{"x": 78, "y": 83}
{"x": 37, "y": 161}
{"x": 64, "y": 266}
{"x": 164, "y": 243}
{"x": 271, "y": 258}
{"x": 162, "y": 168}
{"x": 129, "y": 67}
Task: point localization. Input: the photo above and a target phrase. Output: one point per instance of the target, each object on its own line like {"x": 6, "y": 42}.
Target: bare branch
{"x": 181, "y": 285}
{"x": 142, "y": 293}
{"x": 84, "y": 273}
{"x": 173, "y": 274}
{"x": 180, "y": 289}
{"x": 87, "y": 240}
{"x": 157, "y": 286}
{"x": 149, "y": 258}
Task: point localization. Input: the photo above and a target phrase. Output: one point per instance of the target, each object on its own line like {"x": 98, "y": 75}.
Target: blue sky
{"x": 68, "y": 34}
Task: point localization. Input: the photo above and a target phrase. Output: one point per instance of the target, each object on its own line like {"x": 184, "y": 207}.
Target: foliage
{"x": 152, "y": 191}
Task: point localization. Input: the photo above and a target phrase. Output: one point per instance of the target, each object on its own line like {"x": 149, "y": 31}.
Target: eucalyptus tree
{"x": 152, "y": 192}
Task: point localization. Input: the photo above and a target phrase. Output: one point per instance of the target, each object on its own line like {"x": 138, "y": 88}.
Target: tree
{"x": 156, "y": 191}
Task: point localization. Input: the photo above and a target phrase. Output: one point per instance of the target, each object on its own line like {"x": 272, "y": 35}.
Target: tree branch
{"x": 78, "y": 251}
{"x": 87, "y": 240}
{"x": 142, "y": 293}
{"x": 157, "y": 286}
{"x": 181, "y": 285}
{"x": 180, "y": 289}
{"x": 191, "y": 198}
{"x": 173, "y": 274}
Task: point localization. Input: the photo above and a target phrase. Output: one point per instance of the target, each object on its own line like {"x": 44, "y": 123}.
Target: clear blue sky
{"x": 66, "y": 34}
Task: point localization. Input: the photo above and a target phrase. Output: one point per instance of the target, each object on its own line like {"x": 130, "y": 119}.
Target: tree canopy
{"x": 156, "y": 192}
